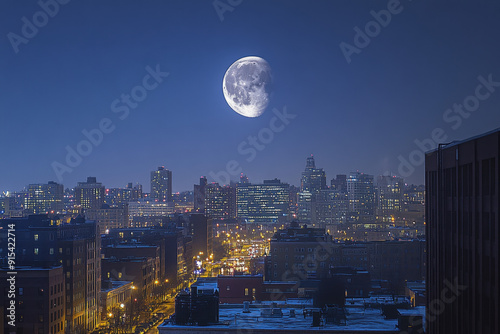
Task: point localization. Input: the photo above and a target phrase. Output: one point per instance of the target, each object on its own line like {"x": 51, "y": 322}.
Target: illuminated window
{"x": 36, "y": 251}
{"x": 246, "y": 291}
{"x": 36, "y": 237}
{"x": 120, "y": 275}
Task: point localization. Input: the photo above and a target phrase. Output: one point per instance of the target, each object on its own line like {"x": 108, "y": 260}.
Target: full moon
{"x": 247, "y": 86}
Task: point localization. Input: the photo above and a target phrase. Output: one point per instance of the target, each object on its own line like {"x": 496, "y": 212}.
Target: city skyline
{"x": 233, "y": 180}
{"x": 356, "y": 99}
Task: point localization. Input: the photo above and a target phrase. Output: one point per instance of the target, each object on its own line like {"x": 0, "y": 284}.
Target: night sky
{"x": 363, "y": 115}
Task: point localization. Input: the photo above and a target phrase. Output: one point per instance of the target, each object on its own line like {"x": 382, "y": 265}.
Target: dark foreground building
{"x": 462, "y": 185}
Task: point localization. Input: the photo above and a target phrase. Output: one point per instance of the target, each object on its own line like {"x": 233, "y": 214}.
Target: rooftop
{"x": 231, "y": 317}
{"x": 115, "y": 285}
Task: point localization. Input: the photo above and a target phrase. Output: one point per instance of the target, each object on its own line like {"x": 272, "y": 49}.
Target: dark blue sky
{"x": 363, "y": 115}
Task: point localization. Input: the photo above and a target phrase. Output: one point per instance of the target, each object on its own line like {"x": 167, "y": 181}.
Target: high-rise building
{"x": 361, "y": 194}
{"x": 263, "y": 203}
{"x": 161, "y": 185}
{"x": 120, "y": 196}
{"x": 293, "y": 194}
{"x": 45, "y": 198}
{"x": 220, "y": 201}
{"x": 389, "y": 196}
{"x": 304, "y": 206}
{"x": 329, "y": 207}
{"x": 199, "y": 195}
{"x": 201, "y": 229}
{"x": 90, "y": 194}
{"x": 462, "y": 230}
{"x": 9, "y": 207}
{"x": 313, "y": 180}
{"x": 339, "y": 183}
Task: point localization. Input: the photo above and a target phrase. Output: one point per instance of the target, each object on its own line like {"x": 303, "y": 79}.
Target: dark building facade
{"x": 76, "y": 245}
{"x": 199, "y": 195}
{"x": 220, "y": 201}
{"x": 40, "y": 300}
{"x": 300, "y": 253}
{"x": 462, "y": 186}
{"x": 200, "y": 228}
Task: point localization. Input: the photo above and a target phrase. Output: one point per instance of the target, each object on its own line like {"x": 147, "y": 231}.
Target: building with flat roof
{"x": 263, "y": 203}
{"x": 113, "y": 295}
{"x": 161, "y": 185}
{"x": 39, "y": 301}
{"x": 299, "y": 318}
{"x": 90, "y": 194}
{"x": 462, "y": 216}
{"x": 44, "y": 241}
{"x": 44, "y": 198}
{"x": 220, "y": 201}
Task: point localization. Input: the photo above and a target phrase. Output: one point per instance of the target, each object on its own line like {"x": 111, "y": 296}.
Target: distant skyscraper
{"x": 389, "y": 196}
{"x": 220, "y": 201}
{"x": 263, "y": 203}
{"x": 121, "y": 196}
{"x": 199, "y": 195}
{"x": 313, "y": 180}
{"x": 329, "y": 207}
{"x": 361, "y": 194}
{"x": 45, "y": 198}
{"x": 161, "y": 185}
{"x": 304, "y": 206}
{"x": 462, "y": 231}
{"x": 293, "y": 193}
{"x": 90, "y": 194}
{"x": 339, "y": 183}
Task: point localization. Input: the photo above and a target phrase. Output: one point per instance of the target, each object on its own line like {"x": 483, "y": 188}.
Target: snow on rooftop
{"x": 358, "y": 319}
